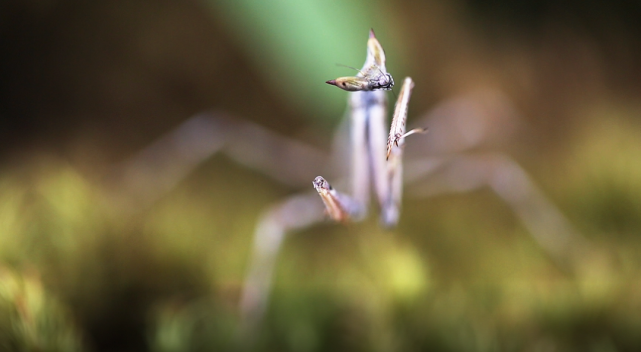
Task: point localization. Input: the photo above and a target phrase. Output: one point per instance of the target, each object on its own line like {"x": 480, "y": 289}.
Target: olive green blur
{"x": 88, "y": 84}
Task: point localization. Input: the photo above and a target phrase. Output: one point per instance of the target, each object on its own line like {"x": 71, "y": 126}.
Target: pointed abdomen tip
{"x": 331, "y": 81}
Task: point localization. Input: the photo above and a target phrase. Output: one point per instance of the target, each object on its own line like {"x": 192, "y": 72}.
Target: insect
{"x": 437, "y": 165}
{"x": 377, "y": 164}
{"x": 372, "y": 76}
{"x": 361, "y": 83}
{"x": 368, "y": 106}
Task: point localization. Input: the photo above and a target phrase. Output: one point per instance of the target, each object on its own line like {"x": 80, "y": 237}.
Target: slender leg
{"x": 464, "y": 122}
{"x": 149, "y": 174}
{"x": 392, "y": 177}
{"x": 462, "y": 173}
{"x": 291, "y": 162}
{"x": 158, "y": 168}
{"x": 295, "y": 213}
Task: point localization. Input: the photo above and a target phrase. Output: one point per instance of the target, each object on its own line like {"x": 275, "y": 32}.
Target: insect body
{"x": 370, "y": 168}
{"x": 373, "y": 76}
{"x": 372, "y": 81}
{"x": 384, "y": 81}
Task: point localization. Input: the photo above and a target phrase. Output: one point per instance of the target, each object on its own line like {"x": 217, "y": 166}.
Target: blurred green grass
{"x": 460, "y": 273}
{"x": 465, "y": 278}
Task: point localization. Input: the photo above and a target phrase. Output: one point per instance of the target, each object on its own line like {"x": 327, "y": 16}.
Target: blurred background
{"x": 86, "y": 85}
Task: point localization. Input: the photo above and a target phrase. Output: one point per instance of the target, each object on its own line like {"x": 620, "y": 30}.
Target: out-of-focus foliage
{"x": 91, "y": 82}
{"x": 604, "y": 161}
{"x": 32, "y": 320}
{"x": 479, "y": 285}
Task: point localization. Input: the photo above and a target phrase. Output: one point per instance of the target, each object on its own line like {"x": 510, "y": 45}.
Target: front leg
{"x": 392, "y": 179}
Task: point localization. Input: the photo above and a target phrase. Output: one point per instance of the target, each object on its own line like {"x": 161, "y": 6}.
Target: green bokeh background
{"x": 87, "y": 84}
